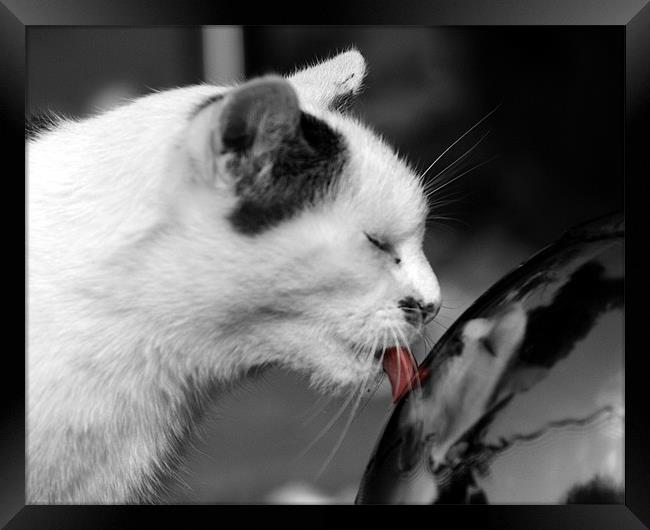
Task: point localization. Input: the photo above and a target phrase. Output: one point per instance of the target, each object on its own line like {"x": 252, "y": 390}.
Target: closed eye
{"x": 384, "y": 247}
{"x": 380, "y": 245}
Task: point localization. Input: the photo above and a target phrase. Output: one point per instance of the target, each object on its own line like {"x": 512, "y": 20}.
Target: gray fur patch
{"x": 303, "y": 170}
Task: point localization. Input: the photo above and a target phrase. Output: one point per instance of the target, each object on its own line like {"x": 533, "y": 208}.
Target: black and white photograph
{"x": 325, "y": 265}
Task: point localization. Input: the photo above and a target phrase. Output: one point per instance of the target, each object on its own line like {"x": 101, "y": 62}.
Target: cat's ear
{"x": 333, "y": 83}
{"x": 250, "y": 122}
{"x": 257, "y": 117}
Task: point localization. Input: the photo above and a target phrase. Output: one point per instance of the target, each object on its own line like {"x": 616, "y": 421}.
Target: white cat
{"x": 183, "y": 239}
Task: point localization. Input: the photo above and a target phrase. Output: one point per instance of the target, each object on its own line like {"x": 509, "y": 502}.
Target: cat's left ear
{"x": 246, "y": 125}
{"x": 333, "y": 83}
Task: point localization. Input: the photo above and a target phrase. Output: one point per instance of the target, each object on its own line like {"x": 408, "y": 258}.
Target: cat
{"x": 191, "y": 236}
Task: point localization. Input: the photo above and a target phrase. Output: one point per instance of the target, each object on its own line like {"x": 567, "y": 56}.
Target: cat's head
{"x": 308, "y": 223}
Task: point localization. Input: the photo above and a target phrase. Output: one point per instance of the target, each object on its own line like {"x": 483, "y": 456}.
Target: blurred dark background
{"x": 553, "y": 158}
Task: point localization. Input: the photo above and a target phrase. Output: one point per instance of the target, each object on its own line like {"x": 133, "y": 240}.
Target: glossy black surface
{"x": 521, "y": 401}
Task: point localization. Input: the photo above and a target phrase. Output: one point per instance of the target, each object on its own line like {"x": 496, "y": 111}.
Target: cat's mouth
{"x": 400, "y": 366}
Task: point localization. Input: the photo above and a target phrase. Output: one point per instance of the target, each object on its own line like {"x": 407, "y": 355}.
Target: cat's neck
{"x": 143, "y": 392}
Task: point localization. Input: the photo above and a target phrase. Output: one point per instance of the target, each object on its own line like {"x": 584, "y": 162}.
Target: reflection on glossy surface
{"x": 521, "y": 400}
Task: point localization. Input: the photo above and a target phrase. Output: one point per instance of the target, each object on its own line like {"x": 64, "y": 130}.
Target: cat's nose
{"x": 416, "y": 311}
{"x": 429, "y": 311}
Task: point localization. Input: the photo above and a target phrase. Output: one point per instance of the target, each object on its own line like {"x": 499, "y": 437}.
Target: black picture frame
{"x": 633, "y": 16}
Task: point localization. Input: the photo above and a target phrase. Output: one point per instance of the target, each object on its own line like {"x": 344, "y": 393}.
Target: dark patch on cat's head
{"x": 282, "y": 159}
{"x": 304, "y": 170}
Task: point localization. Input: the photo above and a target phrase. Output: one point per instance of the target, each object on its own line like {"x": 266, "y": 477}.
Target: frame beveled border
{"x": 633, "y": 16}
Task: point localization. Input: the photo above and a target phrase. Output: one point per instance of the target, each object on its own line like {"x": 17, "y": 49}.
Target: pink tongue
{"x": 401, "y": 369}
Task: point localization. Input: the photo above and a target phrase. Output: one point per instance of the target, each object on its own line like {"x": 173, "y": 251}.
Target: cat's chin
{"x": 338, "y": 373}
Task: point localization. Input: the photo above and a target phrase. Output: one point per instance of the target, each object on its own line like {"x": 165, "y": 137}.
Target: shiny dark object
{"x": 521, "y": 401}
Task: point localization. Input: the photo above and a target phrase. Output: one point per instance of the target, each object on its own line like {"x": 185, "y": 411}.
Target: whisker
{"x": 327, "y": 427}
{"x": 316, "y": 404}
{"x": 358, "y": 350}
{"x": 350, "y": 419}
{"x": 317, "y": 410}
{"x": 339, "y": 442}
{"x": 419, "y": 311}
{"x": 439, "y": 203}
{"x": 441, "y": 325}
{"x": 465, "y": 173}
{"x": 379, "y": 379}
{"x": 428, "y": 341}
{"x": 448, "y": 217}
{"x": 447, "y": 318}
{"x": 368, "y": 399}
{"x": 449, "y": 196}
{"x": 428, "y": 185}
{"x": 320, "y": 406}
{"x": 444, "y": 199}
{"x": 445, "y": 220}
{"x": 399, "y": 364}
{"x": 461, "y": 137}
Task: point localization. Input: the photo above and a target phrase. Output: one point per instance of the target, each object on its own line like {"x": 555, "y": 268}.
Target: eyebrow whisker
{"x": 464, "y": 173}
{"x": 461, "y": 137}
{"x": 427, "y": 187}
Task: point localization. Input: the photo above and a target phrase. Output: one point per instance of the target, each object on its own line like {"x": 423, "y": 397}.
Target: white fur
{"x": 140, "y": 293}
